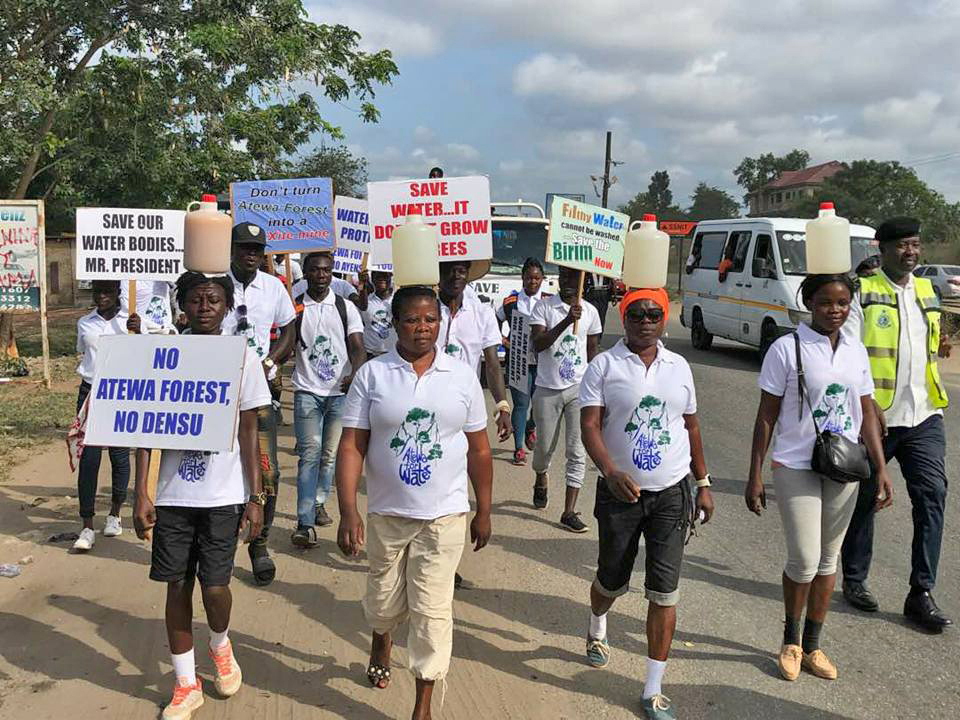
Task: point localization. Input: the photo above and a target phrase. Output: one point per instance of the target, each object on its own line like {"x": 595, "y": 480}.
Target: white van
{"x": 519, "y": 231}
{"x": 757, "y": 299}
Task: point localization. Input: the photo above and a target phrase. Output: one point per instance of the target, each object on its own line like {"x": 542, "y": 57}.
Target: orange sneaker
{"x": 186, "y": 699}
{"x": 229, "y": 678}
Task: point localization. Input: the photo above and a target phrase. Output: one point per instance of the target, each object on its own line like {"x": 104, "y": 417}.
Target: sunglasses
{"x": 242, "y": 323}
{"x": 654, "y": 315}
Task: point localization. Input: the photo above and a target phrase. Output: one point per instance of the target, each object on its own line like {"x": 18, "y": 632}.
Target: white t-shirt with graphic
{"x": 264, "y": 303}
{"x": 563, "y": 364}
{"x": 473, "y": 329}
{"x": 90, "y": 328}
{"x": 323, "y": 364}
{"x": 643, "y": 426}
{"x": 153, "y": 303}
{"x": 193, "y": 478}
{"x": 416, "y": 464}
{"x": 377, "y": 323}
{"x": 835, "y": 380}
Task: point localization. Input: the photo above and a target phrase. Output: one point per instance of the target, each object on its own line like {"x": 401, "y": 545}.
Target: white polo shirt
{"x": 563, "y": 364}
{"x": 267, "y": 303}
{"x": 90, "y": 328}
{"x": 323, "y": 364}
{"x": 835, "y": 381}
{"x": 153, "y": 303}
{"x": 416, "y": 464}
{"x": 193, "y": 478}
{"x": 473, "y": 329}
{"x": 911, "y": 401}
{"x": 340, "y": 287}
{"x": 524, "y": 304}
{"x": 377, "y": 323}
{"x": 643, "y": 426}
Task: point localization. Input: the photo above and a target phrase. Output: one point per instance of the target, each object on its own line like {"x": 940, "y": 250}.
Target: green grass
{"x": 31, "y": 415}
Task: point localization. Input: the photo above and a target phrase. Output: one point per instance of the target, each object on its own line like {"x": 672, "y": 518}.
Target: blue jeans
{"x": 520, "y": 417}
{"x": 317, "y": 424}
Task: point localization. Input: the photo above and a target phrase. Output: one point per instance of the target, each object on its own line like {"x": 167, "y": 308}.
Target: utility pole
{"x": 606, "y": 171}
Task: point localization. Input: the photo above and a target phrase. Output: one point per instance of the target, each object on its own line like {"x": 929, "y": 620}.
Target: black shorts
{"x": 195, "y": 542}
{"x": 660, "y": 518}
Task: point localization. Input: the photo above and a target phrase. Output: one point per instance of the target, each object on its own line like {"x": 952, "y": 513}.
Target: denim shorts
{"x": 660, "y": 518}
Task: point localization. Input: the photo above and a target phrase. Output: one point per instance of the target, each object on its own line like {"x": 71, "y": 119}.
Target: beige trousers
{"x": 412, "y": 564}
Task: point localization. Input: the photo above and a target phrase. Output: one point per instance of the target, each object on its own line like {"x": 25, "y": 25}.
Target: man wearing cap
{"x": 897, "y": 316}
{"x": 260, "y": 301}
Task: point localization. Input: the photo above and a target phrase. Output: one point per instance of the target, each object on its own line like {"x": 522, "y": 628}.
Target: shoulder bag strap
{"x": 342, "y": 312}
{"x": 802, "y": 387}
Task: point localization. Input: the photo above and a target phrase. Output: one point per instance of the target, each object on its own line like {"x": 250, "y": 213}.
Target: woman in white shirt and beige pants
{"x": 416, "y": 419}
{"x": 815, "y": 510}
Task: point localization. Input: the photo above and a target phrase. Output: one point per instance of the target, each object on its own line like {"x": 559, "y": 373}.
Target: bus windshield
{"x": 793, "y": 251}
{"x": 514, "y": 242}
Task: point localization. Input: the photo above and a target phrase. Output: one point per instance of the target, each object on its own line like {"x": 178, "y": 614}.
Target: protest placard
{"x": 162, "y": 391}
{"x": 351, "y": 224}
{"x": 458, "y": 206}
{"x": 586, "y": 237}
{"x": 129, "y": 244}
{"x": 518, "y": 357}
{"x": 297, "y": 215}
{"x": 21, "y": 240}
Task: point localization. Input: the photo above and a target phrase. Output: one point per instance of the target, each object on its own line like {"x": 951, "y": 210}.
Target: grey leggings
{"x": 815, "y": 512}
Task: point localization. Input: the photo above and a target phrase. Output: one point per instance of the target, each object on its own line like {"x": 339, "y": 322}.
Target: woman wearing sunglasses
{"x": 639, "y": 424}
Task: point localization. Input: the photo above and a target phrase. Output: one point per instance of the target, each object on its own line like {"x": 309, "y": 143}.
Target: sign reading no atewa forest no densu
{"x": 297, "y": 215}
{"x": 586, "y": 237}
{"x": 162, "y": 391}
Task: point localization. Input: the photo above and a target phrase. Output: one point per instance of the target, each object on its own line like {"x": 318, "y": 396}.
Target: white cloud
{"x": 380, "y": 29}
{"x": 511, "y": 167}
{"x": 462, "y": 151}
{"x": 568, "y": 77}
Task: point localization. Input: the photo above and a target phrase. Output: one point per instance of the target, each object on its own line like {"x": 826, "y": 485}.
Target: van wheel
{"x": 768, "y": 335}
{"x": 699, "y": 337}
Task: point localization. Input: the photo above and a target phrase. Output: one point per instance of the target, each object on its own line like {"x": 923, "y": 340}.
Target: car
{"x": 945, "y": 279}
{"x": 742, "y": 278}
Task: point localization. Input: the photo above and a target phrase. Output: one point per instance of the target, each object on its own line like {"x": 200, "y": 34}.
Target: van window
{"x": 707, "y": 250}
{"x": 740, "y": 242}
{"x": 763, "y": 255}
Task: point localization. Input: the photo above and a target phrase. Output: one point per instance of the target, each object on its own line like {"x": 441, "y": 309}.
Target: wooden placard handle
{"x": 583, "y": 275}
{"x": 132, "y": 298}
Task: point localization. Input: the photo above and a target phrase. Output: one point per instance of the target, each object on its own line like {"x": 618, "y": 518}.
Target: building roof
{"x": 813, "y": 175}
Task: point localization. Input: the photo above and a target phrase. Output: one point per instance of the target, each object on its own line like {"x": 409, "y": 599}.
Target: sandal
{"x": 379, "y": 676}
{"x": 264, "y": 570}
{"x": 519, "y": 457}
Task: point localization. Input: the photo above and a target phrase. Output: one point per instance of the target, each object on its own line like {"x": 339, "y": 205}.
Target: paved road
{"x": 83, "y": 636}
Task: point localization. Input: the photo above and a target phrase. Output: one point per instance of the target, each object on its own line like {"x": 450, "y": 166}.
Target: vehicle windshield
{"x": 514, "y": 242}
{"x": 793, "y": 251}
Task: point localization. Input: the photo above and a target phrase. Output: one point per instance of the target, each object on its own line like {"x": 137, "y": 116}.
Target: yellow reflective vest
{"x": 881, "y": 336}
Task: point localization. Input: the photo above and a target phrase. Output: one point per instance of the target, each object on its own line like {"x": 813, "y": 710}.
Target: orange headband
{"x": 658, "y": 295}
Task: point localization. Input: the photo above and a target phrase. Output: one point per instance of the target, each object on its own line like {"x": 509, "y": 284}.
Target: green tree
{"x": 348, "y": 172}
{"x": 870, "y": 191}
{"x": 753, "y": 173}
{"x": 134, "y": 103}
{"x": 658, "y": 199}
{"x": 711, "y": 203}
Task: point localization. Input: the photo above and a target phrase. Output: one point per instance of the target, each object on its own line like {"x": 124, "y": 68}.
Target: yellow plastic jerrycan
{"x": 415, "y": 256}
{"x": 828, "y": 242}
{"x": 646, "y": 252}
{"x": 206, "y": 237}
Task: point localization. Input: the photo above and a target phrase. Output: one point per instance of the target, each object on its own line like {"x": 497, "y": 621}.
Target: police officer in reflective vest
{"x": 897, "y": 316}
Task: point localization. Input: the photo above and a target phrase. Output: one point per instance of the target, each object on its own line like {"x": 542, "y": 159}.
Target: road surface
{"x": 82, "y": 636}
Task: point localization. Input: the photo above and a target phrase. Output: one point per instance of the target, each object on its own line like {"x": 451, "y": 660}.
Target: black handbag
{"x": 834, "y": 455}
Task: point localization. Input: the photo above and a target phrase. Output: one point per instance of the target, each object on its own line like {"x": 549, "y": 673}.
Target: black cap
{"x": 897, "y": 228}
{"x": 249, "y": 234}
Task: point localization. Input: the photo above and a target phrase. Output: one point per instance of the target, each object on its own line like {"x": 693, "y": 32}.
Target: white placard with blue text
{"x": 164, "y": 391}
{"x": 352, "y": 226}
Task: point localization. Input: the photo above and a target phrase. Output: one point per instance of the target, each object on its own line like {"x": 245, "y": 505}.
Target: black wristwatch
{"x": 259, "y": 498}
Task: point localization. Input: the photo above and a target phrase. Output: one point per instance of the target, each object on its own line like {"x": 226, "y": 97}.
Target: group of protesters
{"x": 386, "y": 387}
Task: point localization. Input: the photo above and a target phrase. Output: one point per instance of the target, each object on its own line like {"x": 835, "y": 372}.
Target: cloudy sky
{"x": 524, "y": 90}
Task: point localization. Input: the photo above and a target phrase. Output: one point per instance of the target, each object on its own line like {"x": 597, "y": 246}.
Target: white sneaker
{"x": 85, "y": 542}
{"x": 112, "y": 528}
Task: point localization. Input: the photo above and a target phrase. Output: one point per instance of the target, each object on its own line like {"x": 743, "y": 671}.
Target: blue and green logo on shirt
{"x": 647, "y": 429}
{"x": 417, "y": 443}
